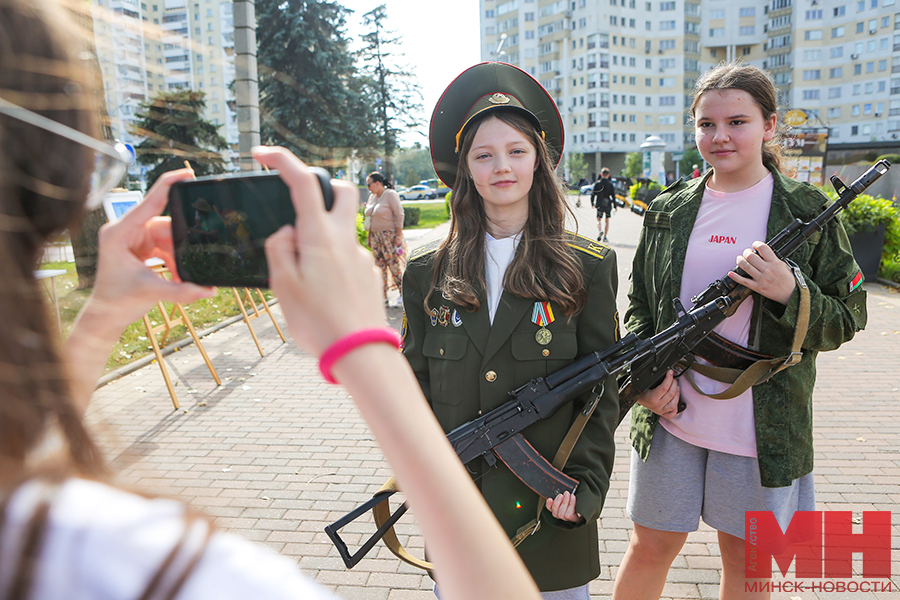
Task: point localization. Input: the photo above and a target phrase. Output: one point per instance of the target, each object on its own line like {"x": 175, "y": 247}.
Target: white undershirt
{"x": 726, "y": 224}
{"x": 498, "y": 254}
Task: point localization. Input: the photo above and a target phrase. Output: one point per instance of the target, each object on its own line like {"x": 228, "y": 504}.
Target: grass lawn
{"x": 134, "y": 342}
{"x": 432, "y": 214}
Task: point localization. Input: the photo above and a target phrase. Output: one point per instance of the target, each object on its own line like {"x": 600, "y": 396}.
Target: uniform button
{"x": 490, "y": 375}
{"x": 545, "y": 352}
{"x": 479, "y": 413}
{"x": 442, "y": 351}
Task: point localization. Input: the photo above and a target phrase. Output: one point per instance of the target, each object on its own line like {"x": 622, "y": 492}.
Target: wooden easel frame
{"x": 247, "y": 317}
{"x": 170, "y": 321}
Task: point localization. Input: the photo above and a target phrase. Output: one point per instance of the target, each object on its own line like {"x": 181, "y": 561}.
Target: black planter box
{"x": 867, "y": 247}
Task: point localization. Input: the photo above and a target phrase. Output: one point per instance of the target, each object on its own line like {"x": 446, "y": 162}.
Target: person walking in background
{"x": 510, "y": 296}
{"x": 384, "y": 222}
{"x": 719, "y": 458}
{"x": 602, "y": 198}
{"x": 66, "y": 532}
{"x": 696, "y": 172}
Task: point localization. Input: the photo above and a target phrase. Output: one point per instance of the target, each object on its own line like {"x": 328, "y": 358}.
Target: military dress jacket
{"x": 466, "y": 366}
{"x": 782, "y": 405}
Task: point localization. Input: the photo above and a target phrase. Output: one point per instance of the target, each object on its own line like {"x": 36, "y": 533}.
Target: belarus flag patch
{"x": 857, "y": 281}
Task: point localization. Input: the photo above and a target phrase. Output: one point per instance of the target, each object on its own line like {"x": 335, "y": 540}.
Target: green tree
{"x": 691, "y": 157}
{"x": 175, "y": 131}
{"x": 414, "y": 164}
{"x": 634, "y": 165}
{"x": 312, "y": 98}
{"x": 576, "y": 167}
{"x": 395, "y": 97}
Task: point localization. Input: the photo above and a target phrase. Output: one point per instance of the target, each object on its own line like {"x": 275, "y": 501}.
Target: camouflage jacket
{"x": 783, "y": 404}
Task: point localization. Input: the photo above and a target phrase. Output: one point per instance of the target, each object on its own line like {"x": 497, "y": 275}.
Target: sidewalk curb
{"x": 171, "y": 348}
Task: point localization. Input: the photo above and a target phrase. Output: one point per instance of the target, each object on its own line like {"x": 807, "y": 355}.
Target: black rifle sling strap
{"x": 382, "y": 511}
{"x": 761, "y": 370}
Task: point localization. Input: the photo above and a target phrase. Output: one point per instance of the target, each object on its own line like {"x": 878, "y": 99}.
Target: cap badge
{"x": 498, "y": 98}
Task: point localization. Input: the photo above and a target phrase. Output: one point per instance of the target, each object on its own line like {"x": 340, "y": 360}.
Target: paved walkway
{"x": 275, "y": 454}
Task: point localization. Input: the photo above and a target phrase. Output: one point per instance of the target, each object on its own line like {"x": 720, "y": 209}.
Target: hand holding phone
{"x": 220, "y": 224}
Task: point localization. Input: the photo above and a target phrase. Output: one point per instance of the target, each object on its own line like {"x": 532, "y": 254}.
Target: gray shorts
{"x": 681, "y": 482}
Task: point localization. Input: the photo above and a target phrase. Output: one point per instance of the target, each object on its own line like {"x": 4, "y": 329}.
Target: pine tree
{"x": 175, "y": 131}
{"x": 396, "y": 97}
{"x": 312, "y": 99}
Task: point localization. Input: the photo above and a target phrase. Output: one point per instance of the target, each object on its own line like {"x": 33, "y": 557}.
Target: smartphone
{"x": 220, "y": 224}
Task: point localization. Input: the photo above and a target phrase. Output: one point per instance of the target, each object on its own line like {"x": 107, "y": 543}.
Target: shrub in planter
{"x": 867, "y": 220}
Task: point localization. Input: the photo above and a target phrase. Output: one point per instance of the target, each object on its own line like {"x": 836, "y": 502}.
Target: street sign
{"x": 795, "y": 118}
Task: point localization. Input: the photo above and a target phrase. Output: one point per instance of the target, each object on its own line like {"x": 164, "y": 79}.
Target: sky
{"x": 439, "y": 39}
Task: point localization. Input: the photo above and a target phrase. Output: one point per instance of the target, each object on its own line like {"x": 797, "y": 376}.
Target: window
{"x": 747, "y": 12}
{"x": 855, "y": 110}
{"x": 666, "y": 44}
{"x": 812, "y": 34}
{"x": 717, "y": 14}
{"x": 836, "y": 72}
{"x": 837, "y": 32}
{"x": 810, "y": 94}
{"x": 867, "y": 108}
{"x": 747, "y": 30}
{"x": 529, "y": 34}
{"x": 834, "y": 92}
{"x": 663, "y": 6}
{"x": 666, "y": 82}
{"x": 839, "y": 11}
{"x": 870, "y": 67}
{"x": 837, "y": 52}
{"x": 814, "y": 15}
{"x": 857, "y": 89}
{"x": 882, "y": 65}
{"x": 812, "y": 55}
{"x": 667, "y": 119}
{"x": 666, "y": 25}
{"x": 812, "y": 74}
{"x": 489, "y": 14}
{"x": 667, "y": 100}
{"x": 529, "y": 16}
{"x": 717, "y": 32}
{"x": 869, "y": 87}
{"x": 834, "y": 112}
{"x": 860, "y": 26}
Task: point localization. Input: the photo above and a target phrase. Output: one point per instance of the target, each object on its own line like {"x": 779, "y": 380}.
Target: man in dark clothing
{"x": 602, "y": 199}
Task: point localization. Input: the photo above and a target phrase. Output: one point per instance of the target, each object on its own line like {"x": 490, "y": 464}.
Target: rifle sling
{"x": 382, "y": 512}
{"x": 762, "y": 369}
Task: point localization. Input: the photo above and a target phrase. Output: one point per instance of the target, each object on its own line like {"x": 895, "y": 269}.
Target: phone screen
{"x": 220, "y": 225}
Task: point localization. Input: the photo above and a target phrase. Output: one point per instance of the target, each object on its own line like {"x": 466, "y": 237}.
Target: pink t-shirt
{"x": 727, "y": 224}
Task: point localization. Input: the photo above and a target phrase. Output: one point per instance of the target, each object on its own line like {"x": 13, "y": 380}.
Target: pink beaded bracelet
{"x": 350, "y": 342}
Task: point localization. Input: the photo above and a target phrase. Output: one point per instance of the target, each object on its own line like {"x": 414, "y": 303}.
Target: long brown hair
{"x": 754, "y": 81}
{"x": 544, "y": 266}
{"x": 44, "y": 180}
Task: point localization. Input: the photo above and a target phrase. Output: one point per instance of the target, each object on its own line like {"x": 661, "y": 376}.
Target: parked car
{"x": 418, "y": 192}
{"x": 437, "y": 185}
{"x": 586, "y": 189}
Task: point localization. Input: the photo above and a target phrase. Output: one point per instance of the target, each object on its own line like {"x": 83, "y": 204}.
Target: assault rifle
{"x": 498, "y": 434}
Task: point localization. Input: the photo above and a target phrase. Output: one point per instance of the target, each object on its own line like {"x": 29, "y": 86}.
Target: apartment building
{"x": 146, "y": 47}
{"x": 622, "y": 70}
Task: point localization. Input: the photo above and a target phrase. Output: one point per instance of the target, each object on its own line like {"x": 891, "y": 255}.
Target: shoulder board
{"x": 428, "y": 248}
{"x": 674, "y": 186}
{"x": 587, "y": 245}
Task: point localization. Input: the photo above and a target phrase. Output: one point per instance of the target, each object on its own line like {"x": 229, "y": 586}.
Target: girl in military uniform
{"x": 720, "y": 458}
{"x": 510, "y": 296}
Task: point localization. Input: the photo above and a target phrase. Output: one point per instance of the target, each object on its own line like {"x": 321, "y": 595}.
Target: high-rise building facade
{"x": 147, "y": 47}
{"x": 622, "y": 70}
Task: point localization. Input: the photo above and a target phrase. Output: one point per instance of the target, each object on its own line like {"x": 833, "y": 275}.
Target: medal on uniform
{"x": 542, "y": 315}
